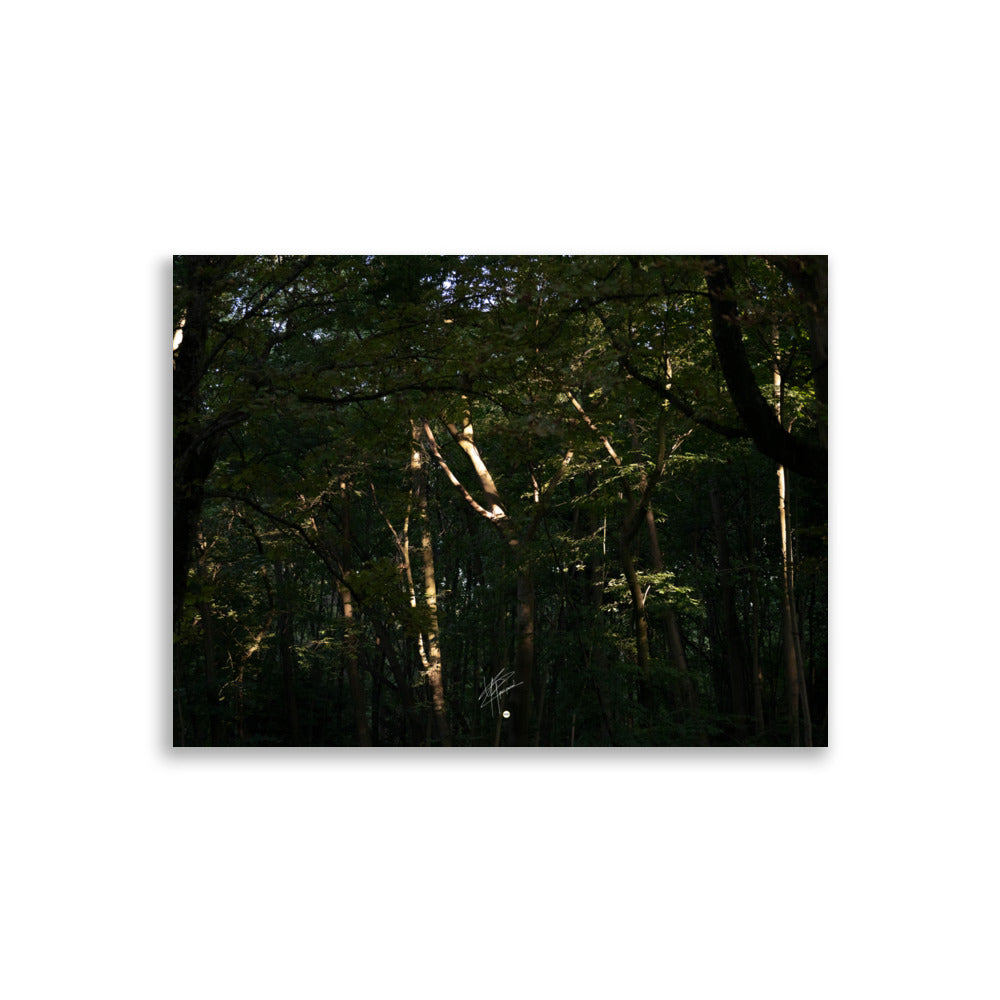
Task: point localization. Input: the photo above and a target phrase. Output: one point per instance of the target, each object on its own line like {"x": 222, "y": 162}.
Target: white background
{"x": 861, "y": 130}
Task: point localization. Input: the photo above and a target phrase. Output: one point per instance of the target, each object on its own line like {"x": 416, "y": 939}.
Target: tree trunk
{"x": 731, "y": 628}
{"x": 351, "y": 639}
{"x": 433, "y": 666}
{"x": 798, "y": 700}
{"x": 689, "y": 697}
{"x": 595, "y": 652}
{"x": 190, "y": 468}
{"x": 215, "y": 735}
{"x": 639, "y": 620}
{"x": 524, "y": 662}
{"x": 195, "y": 441}
{"x": 353, "y": 671}
{"x": 756, "y": 676}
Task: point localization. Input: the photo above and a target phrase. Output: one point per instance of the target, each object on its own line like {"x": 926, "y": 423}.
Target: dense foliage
{"x": 500, "y": 501}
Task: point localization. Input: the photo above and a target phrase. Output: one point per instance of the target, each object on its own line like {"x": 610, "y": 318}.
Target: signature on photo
{"x": 497, "y": 688}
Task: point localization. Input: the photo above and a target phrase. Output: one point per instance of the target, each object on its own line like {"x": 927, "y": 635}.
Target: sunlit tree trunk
{"x": 792, "y": 674}
{"x": 800, "y": 723}
{"x": 432, "y": 652}
{"x": 798, "y": 696}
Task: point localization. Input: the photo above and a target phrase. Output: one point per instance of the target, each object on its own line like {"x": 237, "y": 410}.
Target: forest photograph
{"x": 493, "y": 501}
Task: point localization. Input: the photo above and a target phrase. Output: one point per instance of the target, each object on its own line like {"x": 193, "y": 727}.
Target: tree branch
{"x": 769, "y": 437}
{"x": 808, "y": 276}
{"x": 439, "y": 458}
{"x": 682, "y": 404}
{"x": 543, "y": 501}
{"x": 464, "y": 440}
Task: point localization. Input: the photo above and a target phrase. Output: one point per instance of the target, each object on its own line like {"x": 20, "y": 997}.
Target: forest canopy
{"x": 500, "y": 500}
